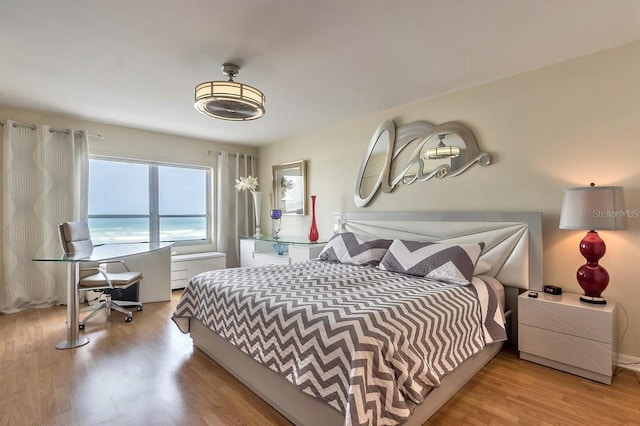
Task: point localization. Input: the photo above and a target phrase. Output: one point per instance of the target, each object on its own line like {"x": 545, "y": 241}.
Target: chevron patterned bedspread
{"x": 368, "y": 342}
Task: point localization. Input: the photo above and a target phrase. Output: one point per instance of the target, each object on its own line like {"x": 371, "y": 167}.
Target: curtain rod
{"x": 67, "y": 131}
{"x": 230, "y": 154}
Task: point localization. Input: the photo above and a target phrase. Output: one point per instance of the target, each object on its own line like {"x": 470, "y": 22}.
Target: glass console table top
{"x": 286, "y": 240}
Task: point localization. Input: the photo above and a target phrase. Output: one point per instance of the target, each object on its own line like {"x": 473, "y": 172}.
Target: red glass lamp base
{"x": 592, "y": 277}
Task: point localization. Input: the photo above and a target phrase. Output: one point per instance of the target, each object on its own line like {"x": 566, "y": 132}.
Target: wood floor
{"x": 147, "y": 373}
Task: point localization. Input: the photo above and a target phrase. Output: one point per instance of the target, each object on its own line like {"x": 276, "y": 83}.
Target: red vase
{"x": 313, "y": 232}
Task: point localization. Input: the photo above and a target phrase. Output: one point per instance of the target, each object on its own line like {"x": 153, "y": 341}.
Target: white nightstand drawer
{"x": 186, "y": 266}
{"x": 179, "y": 274}
{"x": 567, "y": 315}
{"x": 566, "y": 349}
{"x": 178, "y": 283}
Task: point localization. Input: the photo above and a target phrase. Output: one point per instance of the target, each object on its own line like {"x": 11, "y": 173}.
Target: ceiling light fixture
{"x": 442, "y": 151}
{"x": 229, "y": 100}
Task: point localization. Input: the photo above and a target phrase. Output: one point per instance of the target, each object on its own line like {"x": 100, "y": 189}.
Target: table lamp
{"x": 593, "y": 208}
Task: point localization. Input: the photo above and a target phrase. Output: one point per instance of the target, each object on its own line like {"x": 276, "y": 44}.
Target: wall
{"x": 124, "y": 142}
{"x": 564, "y": 125}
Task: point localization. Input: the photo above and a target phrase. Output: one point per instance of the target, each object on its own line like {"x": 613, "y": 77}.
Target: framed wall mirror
{"x": 290, "y": 187}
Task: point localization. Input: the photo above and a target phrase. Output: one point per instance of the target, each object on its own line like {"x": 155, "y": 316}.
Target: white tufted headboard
{"x": 513, "y": 241}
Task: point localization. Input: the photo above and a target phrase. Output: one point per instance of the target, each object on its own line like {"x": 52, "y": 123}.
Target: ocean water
{"x": 134, "y": 230}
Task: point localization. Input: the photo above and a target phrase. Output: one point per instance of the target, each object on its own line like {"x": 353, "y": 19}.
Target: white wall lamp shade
{"x": 229, "y": 100}
{"x": 593, "y": 208}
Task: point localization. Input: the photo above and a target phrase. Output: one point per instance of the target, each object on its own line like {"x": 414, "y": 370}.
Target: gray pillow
{"x": 354, "y": 249}
{"x": 452, "y": 263}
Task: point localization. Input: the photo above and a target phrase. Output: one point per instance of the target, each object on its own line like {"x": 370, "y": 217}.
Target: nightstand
{"x": 563, "y": 333}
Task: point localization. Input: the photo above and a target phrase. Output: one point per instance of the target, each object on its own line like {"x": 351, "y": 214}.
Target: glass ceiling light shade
{"x": 228, "y": 100}
{"x": 593, "y": 208}
{"x": 442, "y": 151}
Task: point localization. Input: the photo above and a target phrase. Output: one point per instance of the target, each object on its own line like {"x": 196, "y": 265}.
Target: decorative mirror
{"x": 290, "y": 187}
{"x": 413, "y": 152}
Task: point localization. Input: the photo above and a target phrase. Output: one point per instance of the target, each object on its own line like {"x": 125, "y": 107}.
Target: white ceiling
{"x": 319, "y": 62}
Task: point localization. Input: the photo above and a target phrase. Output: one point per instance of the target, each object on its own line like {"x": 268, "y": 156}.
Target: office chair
{"x": 75, "y": 238}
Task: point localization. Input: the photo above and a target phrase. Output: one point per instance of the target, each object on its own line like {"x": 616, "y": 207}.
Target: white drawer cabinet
{"x": 255, "y": 252}
{"x": 186, "y": 266}
{"x": 563, "y": 333}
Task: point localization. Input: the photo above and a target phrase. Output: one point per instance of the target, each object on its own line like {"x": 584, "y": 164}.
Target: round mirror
{"x": 375, "y": 165}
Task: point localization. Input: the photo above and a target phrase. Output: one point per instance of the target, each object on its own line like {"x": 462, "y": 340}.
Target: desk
{"x": 98, "y": 254}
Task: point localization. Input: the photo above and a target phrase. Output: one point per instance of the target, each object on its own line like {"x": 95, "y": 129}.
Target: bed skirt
{"x": 302, "y": 409}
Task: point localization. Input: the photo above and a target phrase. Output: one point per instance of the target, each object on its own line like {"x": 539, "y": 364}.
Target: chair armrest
{"x": 100, "y": 271}
{"x": 124, "y": 265}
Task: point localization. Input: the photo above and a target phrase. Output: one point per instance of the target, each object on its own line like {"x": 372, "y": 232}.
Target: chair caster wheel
{"x": 128, "y": 319}
{"x": 81, "y": 326}
{"x": 139, "y": 308}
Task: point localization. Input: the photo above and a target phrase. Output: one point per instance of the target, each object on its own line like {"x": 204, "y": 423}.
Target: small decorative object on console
{"x": 280, "y": 248}
{"x": 276, "y": 217}
{"x": 552, "y": 289}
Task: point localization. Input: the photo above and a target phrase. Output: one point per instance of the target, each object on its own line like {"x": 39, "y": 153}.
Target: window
{"x": 135, "y": 201}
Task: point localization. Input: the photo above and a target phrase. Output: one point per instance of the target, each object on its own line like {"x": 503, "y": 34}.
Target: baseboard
{"x": 628, "y": 361}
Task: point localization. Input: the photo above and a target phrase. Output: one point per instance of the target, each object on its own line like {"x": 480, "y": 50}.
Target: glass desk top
{"x": 105, "y": 252}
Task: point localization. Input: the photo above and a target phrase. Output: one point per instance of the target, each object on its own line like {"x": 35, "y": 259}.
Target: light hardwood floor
{"x": 148, "y": 373}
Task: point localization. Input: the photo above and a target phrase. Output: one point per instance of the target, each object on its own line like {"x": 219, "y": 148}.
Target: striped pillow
{"x": 354, "y": 249}
{"x": 453, "y": 263}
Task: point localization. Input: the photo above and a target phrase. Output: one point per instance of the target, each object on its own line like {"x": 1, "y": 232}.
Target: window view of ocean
{"x": 134, "y": 230}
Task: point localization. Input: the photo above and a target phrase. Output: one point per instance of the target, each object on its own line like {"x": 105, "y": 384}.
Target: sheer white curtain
{"x": 45, "y": 182}
{"x": 234, "y": 210}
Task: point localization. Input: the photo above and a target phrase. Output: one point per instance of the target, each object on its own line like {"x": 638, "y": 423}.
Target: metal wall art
{"x": 416, "y": 151}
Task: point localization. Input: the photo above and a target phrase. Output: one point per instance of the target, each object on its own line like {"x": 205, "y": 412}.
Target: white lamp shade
{"x": 593, "y": 208}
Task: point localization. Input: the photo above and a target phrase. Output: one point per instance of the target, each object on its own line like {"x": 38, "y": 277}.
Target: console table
{"x": 260, "y": 251}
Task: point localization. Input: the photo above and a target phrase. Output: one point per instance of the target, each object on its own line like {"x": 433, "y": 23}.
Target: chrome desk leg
{"x": 73, "y": 340}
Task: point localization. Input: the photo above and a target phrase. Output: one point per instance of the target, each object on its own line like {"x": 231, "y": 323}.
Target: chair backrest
{"x": 75, "y": 237}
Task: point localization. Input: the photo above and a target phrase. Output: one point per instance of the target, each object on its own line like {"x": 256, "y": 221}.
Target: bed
{"x": 389, "y": 380}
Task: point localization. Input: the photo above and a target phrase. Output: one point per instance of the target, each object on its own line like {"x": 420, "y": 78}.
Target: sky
{"x": 122, "y": 188}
